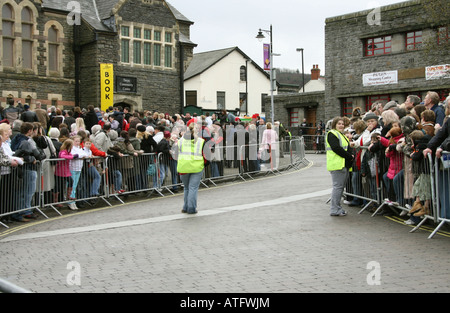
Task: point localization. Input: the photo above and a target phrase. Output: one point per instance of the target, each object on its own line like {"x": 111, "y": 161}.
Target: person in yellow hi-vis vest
{"x": 190, "y": 166}
{"x": 339, "y": 161}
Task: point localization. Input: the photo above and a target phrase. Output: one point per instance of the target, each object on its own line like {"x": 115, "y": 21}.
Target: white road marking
{"x": 159, "y": 219}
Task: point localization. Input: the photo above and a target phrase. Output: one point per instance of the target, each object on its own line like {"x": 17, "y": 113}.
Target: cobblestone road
{"x": 268, "y": 235}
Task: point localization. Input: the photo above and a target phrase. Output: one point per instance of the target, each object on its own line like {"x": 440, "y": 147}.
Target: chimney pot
{"x": 315, "y": 72}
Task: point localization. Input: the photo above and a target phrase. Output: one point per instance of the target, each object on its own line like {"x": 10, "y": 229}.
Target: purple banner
{"x": 267, "y": 64}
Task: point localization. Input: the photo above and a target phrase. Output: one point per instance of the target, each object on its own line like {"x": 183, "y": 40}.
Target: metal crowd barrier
{"x": 20, "y": 189}
{"x": 43, "y": 185}
{"x": 442, "y": 193}
{"x": 133, "y": 174}
{"x": 314, "y": 143}
{"x": 57, "y": 187}
{"x": 418, "y": 188}
{"x": 8, "y": 287}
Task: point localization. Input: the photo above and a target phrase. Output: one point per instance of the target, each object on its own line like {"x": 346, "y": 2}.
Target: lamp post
{"x": 260, "y": 37}
{"x": 303, "y": 69}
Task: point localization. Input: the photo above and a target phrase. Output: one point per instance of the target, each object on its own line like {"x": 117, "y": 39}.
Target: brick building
{"x": 52, "y": 50}
{"x": 384, "y": 54}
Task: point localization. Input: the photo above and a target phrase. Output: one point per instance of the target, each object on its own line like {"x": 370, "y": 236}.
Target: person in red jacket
{"x": 395, "y": 160}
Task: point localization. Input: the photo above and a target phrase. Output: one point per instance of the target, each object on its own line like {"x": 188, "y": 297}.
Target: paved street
{"x": 272, "y": 234}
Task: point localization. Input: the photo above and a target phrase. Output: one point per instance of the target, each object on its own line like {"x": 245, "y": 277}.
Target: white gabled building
{"x": 226, "y": 79}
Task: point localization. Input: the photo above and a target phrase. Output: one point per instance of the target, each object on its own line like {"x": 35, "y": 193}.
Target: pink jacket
{"x": 395, "y": 158}
{"x": 62, "y": 167}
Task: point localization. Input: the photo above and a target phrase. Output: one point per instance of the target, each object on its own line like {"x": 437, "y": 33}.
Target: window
{"x": 53, "y": 58}
{"x": 8, "y": 35}
{"x": 372, "y": 99}
{"x": 169, "y": 37}
{"x": 243, "y": 73}
{"x": 221, "y": 100}
{"x": 157, "y": 55}
{"x": 347, "y": 108}
{"x": 243, "y": 102}
{"x": 147, "y": 34}
{"x": 442, "y": 34}
{"x": 294, "y": 117}
{"x": 157, "y": 36}
{"x": 137, "y": 52}
{"x": 125, "y": 47}
{"x": 125, "y": 31}
{"x": 27, "y": 38}
{"x": 443, "y": 94}
{"x": 143, "y": 45}
{"x": 137, "y": 32}
{"x": 168, "y": 56}
{"x": 191, "y": 97}
{"x": 125, "y": 44}
{"x": 413, "y": 40}
{"x": 378, "y": 46}
{"x": 147, "y": 53}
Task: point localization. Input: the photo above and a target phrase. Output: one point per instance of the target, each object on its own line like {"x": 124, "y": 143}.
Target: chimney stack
{"x": 315, "y": 72}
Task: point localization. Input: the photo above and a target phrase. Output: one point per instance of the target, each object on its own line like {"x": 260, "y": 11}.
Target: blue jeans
{"x": 191, "y": 185}
{"x": 26, "y": 192}
{"x": 96, "y": 181}
{"x": 163, "y": 169}
{"x": 75, "y": 177}
{"x": 117, "y": 180}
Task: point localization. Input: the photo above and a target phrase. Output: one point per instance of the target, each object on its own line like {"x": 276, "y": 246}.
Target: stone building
{"x": 52, "y": 50}
{"x": 384, "y": 54}
{"x": 307, "y": 102}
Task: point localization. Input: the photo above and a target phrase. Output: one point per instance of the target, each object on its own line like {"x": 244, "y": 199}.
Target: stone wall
{"x": 158, "y": 88}
{"x": 345, "y": 38}
{"x": 283, "y": 103}
{"x": 37, "y": 83}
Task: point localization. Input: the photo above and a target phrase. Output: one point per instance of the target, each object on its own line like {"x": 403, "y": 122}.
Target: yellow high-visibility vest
{"x": 334, "y": 161}
{"x": 190, "y": 156}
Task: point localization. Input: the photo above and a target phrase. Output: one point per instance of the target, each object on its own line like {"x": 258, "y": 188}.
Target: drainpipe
{"x": 77, "y": 53}
{"x": 181, "y": 78}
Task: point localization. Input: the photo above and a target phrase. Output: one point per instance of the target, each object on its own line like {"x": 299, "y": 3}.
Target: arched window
{"x": 8, "y": 35}
{"x": 243, "y": 73}
{"x": 53, "y": 45}
{"x": 27, "y": 38}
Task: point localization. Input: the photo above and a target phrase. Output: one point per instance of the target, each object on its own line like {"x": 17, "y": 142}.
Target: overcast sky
{"x": 295, "y": 23}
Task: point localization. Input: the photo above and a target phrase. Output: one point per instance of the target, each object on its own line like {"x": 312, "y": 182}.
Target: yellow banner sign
{"x": 107, "y": 85}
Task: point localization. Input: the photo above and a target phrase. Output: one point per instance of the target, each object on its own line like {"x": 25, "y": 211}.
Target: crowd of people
{"x": 391, "y": 142}
{"x": 81, "y": 138}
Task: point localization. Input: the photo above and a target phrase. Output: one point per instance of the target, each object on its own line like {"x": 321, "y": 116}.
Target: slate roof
{"x": 94, "y": 11}
{"x": 205, "y": 60}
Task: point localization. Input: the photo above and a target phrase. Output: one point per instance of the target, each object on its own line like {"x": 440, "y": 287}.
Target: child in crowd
{"x": 62, "y": 171}
{"x": 395, "y": 162}
{"x": 76, "y": 166}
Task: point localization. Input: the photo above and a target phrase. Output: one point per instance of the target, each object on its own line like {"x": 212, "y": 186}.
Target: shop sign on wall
{"x": 437, "y": 71}
{"x": 380, "y": 78}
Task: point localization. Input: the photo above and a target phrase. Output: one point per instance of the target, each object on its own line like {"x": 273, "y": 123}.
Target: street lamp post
{"x": 303, "y": 69}
{"x": 260, "y": 37}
